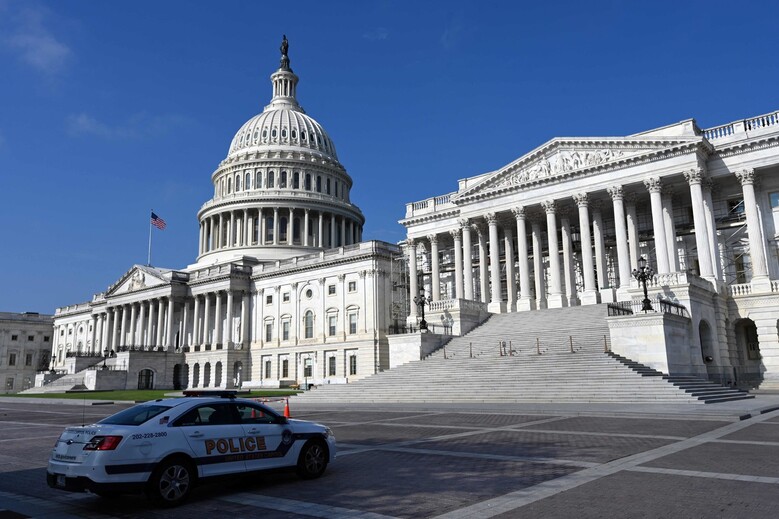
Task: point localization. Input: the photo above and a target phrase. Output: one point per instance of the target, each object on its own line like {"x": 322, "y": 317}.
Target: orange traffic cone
{"x": 286, "y": 408}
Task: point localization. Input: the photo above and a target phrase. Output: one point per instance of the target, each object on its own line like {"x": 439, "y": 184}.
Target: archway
{"x": 196, "y": 375}
{"x": 237, "y": 374}
{"x": 218, "y": 374}
{"x": 749, "y": 371}
{"x": 207, "y": 374}
{"x": 177, "y": 369}
{"x": 146, "y": 379}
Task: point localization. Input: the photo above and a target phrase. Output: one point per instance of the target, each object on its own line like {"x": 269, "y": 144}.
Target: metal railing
{"x": 659, "y": 305}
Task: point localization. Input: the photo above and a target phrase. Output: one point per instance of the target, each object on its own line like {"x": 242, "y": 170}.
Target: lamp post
{"x": 642, "y": 273}
{"x": 105, "y": 358}
{"x": 421, "y": 301}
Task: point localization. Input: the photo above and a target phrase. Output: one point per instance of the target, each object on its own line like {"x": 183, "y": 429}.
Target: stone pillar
{"x": 605, "y": 291}
{"x": 555, "y": 297}
{"x": 496, "y": 297}
{"x": 525, "y": 302}
{"x": 465, "y": 227}
{"x": 245, "y": 316}
{"x": 220, "y": 231}
{"x": 331, "y": 242}
{"x": 218, "y": 318}
{"x": 275, "y": 226}
{"x": 305, "y": 226}
{"x": 670, "y": 229}
{"x": 123, "y": 330}
{"x": 262, "y": 227}
{"x": 160, "y": 322}
{"x": 621, "y": 236}
{"x": 511, "y": 288}
{"x": 631, "y": 219}
{"x": 169, "y": 326}
{"x": 150, "y": 327}
{"x": 229, "y": 326}
{"x": 321, "y": 230}
{"x": 133, "y": 330}
{"x": 110, "y": 342}
{"x": 342, "y": 241}
{"x": 231, "y": 234}
{"x": 590, "y": 294}
{"x": 655, "y": 187}
{"x": 458, "y": 263}
{"x": 142, "y": 325}
{"x": 196, "y": 322}
{"x": 411, "y": 249}
{"x": 711, "y": 226}
{"x": 435, "y": 279}
{"x": 483, "y": 297}
{"x": 207, "y": 319}
{"x": 539, "y": 279}
{"x": 760, "y": 280}
{"x": 185, "y": 324}
{"x": 694, "y": 178}
{"x": 568, "y": 278}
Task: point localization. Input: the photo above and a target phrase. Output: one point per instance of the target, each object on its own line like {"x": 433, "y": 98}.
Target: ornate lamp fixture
{"x": 642, "y": 274}
{"x": 421, "y": 301}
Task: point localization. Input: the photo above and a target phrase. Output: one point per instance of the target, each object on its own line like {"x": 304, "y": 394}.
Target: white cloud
{"x": 32, "y": 41}
{"x": 137, "y": 126}
{"x": 379, "y": 33}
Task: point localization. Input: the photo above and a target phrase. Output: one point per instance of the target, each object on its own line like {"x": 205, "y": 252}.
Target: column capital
{"x": 432, "y": 238}
{"x": 519, "y": 212}
{"x": 456, "y": 233}
{"x": 464, "y": 222}
{"x": 549, "y": 206}
{"x": 654, "y": 185}
{"x": 341, "y": 277}
{"x": 411, "y": 244}
{"x": 746, "y": 176}
{"x": 615, "y": 192}
{"x": 694, "y": 176}
{"x": 492, "y": 218}
{"x": 581, "y": 199}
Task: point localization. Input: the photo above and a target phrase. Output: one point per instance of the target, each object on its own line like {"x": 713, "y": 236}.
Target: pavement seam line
{"x": 709, "y": 475}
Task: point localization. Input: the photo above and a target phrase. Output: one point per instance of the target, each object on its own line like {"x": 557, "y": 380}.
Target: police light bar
{"x": 211, "y": 393}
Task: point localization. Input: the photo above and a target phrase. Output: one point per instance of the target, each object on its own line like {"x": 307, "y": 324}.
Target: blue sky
{"x": 110, "y": 109}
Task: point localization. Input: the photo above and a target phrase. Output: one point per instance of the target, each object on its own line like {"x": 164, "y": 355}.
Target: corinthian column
{"x": 538, "y": 261}
{"x": 496, "y": 297}
{"x": 655, "y": 187}
{"x": 620, "y": 231}
{"x": 590, "y": 294}
{"x": 411, "y": 248}
{"x": 435, "y": 281}
{"x": 694, "y": 177}
{"x": 670, "y": 229}
{"x": 555, "y": 297}
{"x": 458, "y": 263}
{"x": 525, "y": 302}
{"x": 482, "y": 264}
{"x": 568, "y": 279}
{"x": 760, "y": 281}
{"x": 465, "y": 227}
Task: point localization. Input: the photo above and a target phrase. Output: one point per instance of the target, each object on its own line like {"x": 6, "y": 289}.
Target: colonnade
{"x": 555, "y": 286}
{"x": 277, "y": 226}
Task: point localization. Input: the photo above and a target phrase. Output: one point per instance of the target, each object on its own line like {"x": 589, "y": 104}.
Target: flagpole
{"x": 148, "y": 260}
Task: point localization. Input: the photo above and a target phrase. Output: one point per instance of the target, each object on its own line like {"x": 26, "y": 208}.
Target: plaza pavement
{"x": 452, "y": 461}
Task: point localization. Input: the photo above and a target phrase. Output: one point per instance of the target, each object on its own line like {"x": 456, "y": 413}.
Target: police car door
{"x": 215, "y": 436}
{"x": 269, "y": 442}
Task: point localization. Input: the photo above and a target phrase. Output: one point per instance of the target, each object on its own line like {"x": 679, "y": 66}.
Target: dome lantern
{"x": 284, "y": 83}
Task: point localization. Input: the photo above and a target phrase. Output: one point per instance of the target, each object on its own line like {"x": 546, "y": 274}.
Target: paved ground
{"x": 450, "y": 461}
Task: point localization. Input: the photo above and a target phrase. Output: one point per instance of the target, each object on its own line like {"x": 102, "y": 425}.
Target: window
{"x": 285, "y": 331}
{"x": 353, "y": 364}
{"x": 237, "y": 183}
{"x": 285, "y": 368}
{"x": 307, "y": 368}
{"x": 283, "y": 228}
{"x": 229, "y": 185}
{"x": 332, "y": 322}
{"x": 309, "y": 293}
{"x": 12, "y": 359}
{"x": 9, "y": 383}
{"x": 352, "y": 323}
{"x": 308, "y": 182}
{"x": 283, "y": 179}
{"x": 268, "y": 332}
{"x": 28, "y": 359}
{"x": 352, "y": 286}
{"x": 285, "y": 297}
{"x": 270, "y": 179}
{"x": 331, "y": 366}
{"x": 269, "y": 299}
{"x": 296, "y": 180}
{"x": 31, "y": 338}
{"x": 267, "y": 369}
{"x": 331, "y": 290}
{"x": 269, "y": 229}
{"x": 309, "y": 324}
{"x": 258, "y": 182}
{"x": 14, "y": 337}
{"x": 318, "y": 184}
{"x": 248, "y": 182}
{"x": 45, "y": 338}
{"x": 774, "y": 197}
{"x": 327, "y": 186}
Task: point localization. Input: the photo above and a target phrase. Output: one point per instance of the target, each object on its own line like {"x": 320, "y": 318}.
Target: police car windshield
{"x": 135, "y": 415}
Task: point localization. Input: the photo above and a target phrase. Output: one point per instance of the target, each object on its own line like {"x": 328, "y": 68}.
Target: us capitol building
{"x": 284, "y": 291}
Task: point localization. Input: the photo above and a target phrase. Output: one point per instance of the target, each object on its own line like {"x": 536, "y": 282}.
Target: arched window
{"x": 308, "y": 181}
{"x": 318, "y": 184}
{"x": 283, "y": 228}
{"x": 269, "y": 229}
{"x": 327, "y": 185}
{"x": 207, "y": 374}
{"x": 271, "y": 179}
{"x": 309, "y": 324}
{"x": 258, "y": 182}
{"x": 237, "y": 183}
{"x": 283, "y": 180}
{"x": 248, "y": 183}
{"x": 229, "y": 185}
{"x": 296, "y": 180}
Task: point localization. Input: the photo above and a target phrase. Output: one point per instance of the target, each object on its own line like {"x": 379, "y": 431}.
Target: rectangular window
{"x": 331, "y": 366}
{"x": 352, "y": 323}
{"x": 268, "y": 228}
{"x": 269, "y": 300}
{"x": 45, "y": 338}
{"x": 353, "y": 365}
{"x": 307, "y": 367}
{"x": 774, "y": 197}
{"x": 12, "y": 359}
{"x": 331, "y": 290}
{"x": 31, "y": 338}
{"x": 285, "y": 368}
{"x": 268, "y": 332}
{"x": 352, "y": 286}
{"x": 332, "y": 322}
{"x": 285, "y": 297}
{"x": 267, "y": 369}
{"x": 14, "y": 337}
{"x": 28, "y": 359}
{"x": 285, "y": 331}
{"x": 9, "y": 383}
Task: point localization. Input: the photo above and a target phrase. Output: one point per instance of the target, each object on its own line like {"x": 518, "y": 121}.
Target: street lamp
{"x": 105, "y": 358}
{"x": 642, "y": 273}
{"x": 421, "y": 301}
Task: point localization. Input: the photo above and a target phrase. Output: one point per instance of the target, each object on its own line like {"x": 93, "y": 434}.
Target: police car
{"x": 164, "y": 447}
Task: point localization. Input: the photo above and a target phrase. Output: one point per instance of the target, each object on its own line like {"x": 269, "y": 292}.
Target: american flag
{"x": 157, "y": 222}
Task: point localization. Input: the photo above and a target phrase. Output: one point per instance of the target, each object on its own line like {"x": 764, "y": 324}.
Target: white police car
{"x": 165, "y": 446}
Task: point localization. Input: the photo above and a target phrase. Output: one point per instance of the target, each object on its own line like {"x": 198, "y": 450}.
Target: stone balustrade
{"x": 430, "y": 205}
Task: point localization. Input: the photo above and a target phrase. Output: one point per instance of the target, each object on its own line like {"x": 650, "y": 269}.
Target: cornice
{"x": 741, "y": 147}
{"x": 430, "y": 217}
{"x": 293, "y": 269}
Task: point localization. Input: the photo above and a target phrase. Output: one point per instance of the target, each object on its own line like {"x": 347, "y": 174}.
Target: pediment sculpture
{"x": 559, "y": 163}
{"x": 137, "y": 281}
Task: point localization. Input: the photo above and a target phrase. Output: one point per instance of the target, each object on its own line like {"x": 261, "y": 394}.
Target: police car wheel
{"x": 312, "y": 461}
{"x": 171, "y": 482}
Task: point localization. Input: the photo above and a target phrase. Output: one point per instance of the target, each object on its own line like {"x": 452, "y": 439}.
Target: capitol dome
{"x": 281, "y": 191}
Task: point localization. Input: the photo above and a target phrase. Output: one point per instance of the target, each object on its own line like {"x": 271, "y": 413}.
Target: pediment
{"x": 561, "y": 159}
{"x": 137, "y": 278}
